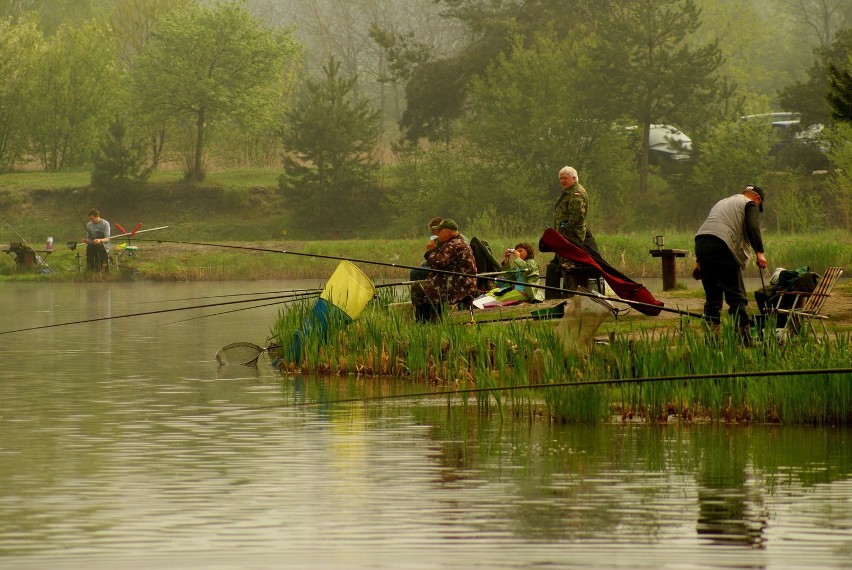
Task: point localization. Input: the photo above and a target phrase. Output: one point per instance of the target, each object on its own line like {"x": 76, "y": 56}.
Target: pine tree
{"x": 329, "y": 169}
{"x": 840, "y": 94}
{"x": 119, "y": 163}
{"x": 648, "y": 69}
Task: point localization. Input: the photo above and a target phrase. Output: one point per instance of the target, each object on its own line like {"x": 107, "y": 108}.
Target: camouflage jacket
{"x": 569, "y": 215}
{"x": 453, "y": 255}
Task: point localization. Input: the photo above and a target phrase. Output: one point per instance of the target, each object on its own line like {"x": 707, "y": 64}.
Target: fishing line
{"x": 607, "y": 381}
{"x": 286, "y": 300}
{"x": 429, "y": 269}
{"x": 141, "y": 314}
{"x": 283, "y": 291}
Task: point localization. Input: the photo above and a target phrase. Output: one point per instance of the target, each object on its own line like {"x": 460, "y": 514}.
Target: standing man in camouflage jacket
{"x": 569, "y": 215}
{"x": 569, "y": 219}
{"x": 454, "y": 254}
{"x": 572, "y": 208}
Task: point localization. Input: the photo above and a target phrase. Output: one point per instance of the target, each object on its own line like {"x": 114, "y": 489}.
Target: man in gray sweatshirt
{"x": 97, "y": 242}
{"x": 722, "y": 251}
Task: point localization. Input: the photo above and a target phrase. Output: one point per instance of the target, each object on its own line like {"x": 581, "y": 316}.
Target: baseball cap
{"x": 759, "y": 191}
{"x": 445, "y": 223}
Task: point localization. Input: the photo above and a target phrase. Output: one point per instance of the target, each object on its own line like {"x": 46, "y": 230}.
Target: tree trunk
{"x": 643, "y": 158}
{"x": 197, "y": 174}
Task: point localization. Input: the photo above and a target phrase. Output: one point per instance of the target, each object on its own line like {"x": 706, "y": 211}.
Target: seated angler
{"x": 523, "y": 267}
{"x": 438, "y": 289}
{"x": 431, "y": 245}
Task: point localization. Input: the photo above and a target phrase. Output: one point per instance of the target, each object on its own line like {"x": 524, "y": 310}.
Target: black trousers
{"x": 97, "y": 259}
{"x": 722, "y": 278}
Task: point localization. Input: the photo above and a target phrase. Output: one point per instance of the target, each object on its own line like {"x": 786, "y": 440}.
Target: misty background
{"x": 380, "y": 114}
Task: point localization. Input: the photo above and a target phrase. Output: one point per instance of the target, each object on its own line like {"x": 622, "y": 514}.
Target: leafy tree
{"x": 821, "y": 19}
{"x": 443, "y": 180}
{"x": 211, "y": 65}
{"x": 841, "y": 159}
{"x": 436, "y": 87}
{"x": 329, "y": 171}
{"x": 77, "y": 82}
{"x": 840, "y": 93}
{"x": 526, "y": 123}
{"x": 733, "y": 154}
{"x": 133, "y": 23}
{"x": 648, "y": 69}
{"x": 809, "y": 97}
{"x": 763, "y": 51}
{"x": 21, "y": 45}
{"x": 52, "y": 14}
{"x": 119, "y": 162}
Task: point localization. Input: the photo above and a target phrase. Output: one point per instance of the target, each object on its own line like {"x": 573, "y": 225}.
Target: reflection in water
{"x": 730, "y": 509}
{"x": 136, "y": 445}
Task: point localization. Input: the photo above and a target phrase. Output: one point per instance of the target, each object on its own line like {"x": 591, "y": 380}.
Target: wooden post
{"x": 669, "y": 267}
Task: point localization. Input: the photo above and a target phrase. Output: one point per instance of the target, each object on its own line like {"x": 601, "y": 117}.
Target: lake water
{"x": 123, "y": 444}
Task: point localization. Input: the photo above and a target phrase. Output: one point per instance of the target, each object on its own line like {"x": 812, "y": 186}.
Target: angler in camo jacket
{"x": 569, "y": 215}
{"x": 429, "y": 295}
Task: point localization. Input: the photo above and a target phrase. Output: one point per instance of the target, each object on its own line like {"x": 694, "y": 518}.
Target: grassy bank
{"x": 510, "y": 356}
{"x": 244, "y": 207}
{"x": 165, "y": 261}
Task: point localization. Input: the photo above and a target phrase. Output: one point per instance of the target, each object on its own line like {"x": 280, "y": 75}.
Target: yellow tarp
{"x": 349, "y": 289}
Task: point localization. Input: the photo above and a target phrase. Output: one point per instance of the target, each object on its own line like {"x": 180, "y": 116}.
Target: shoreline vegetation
{"x": 244, "y": 208}
{"x": 498, "y": 362}
{"x": 501, "y": 358}
{"x": 159, "y": 260}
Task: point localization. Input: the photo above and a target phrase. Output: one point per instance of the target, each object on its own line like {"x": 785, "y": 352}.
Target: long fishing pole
{"x": 72, "y": 245}
{"x": 301, "y": 295}
{"x": 79, "y": 217}
{"x": 282, "y": 291}
{"x": 144, "y": 313}
{"x": 278, "y": 299}
{"x": 429, "y": 269}
{"x": 305, "y": 291}
{"x": 290, "y": 299}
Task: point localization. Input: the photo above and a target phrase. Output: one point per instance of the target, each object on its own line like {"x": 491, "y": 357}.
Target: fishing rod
{"x": 284, "y": 291}
{"x": 304, "y": 291}
{"x": 144, "y": 313}
{"x": 79, "y": 217}
{"x": 578, "y": 384}
{"x": 431, "y": 270}
{"x": 289, "y": 299}
{"x": 72, "y": 245}
{"x": 278, "y": 299}
{"x": 301, "y": 295}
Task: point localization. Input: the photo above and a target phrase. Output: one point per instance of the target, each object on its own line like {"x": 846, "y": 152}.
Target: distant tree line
{"x": 382, "y": 115}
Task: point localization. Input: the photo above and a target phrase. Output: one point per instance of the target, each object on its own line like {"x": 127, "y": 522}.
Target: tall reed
{"x": 512, "y": 355}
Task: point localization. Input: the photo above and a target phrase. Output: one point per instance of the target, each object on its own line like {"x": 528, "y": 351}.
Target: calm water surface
{"x": 122, "y": 444}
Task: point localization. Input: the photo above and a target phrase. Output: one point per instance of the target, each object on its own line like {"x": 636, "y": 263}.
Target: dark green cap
{"x": 446, "y": 223}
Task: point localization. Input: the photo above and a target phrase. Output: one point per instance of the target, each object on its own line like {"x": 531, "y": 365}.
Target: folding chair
{"x": 807, "y": 307}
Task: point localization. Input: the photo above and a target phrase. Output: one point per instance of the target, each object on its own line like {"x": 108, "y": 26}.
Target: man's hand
{"x": 696, "y": 272}
{"x": 761, "y": 260}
